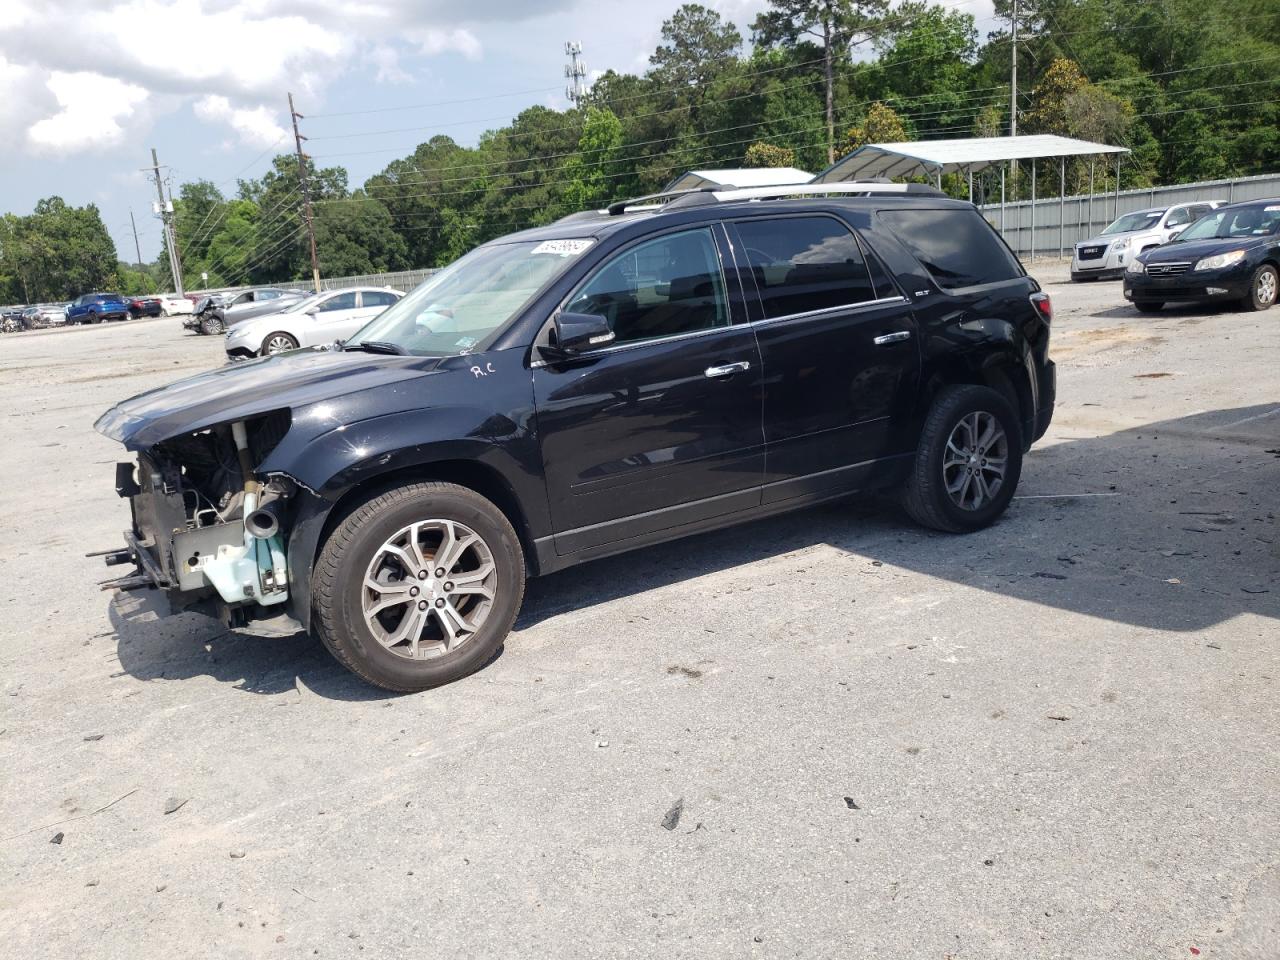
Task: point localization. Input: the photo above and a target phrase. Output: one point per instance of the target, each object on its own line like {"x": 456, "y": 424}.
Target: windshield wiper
{"x": 376, "y": 346}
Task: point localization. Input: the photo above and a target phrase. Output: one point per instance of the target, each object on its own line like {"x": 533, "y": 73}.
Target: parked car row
{"x": 1209, "y": 252}
{"x": 213, "y": 312}
{"x": 321, "y": 318}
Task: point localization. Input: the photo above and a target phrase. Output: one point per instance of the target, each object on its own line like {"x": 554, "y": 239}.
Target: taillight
{"x": 1043, "y": 305}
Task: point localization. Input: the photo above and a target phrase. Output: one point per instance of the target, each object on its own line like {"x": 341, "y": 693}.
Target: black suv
{"x": 610, "y": 381}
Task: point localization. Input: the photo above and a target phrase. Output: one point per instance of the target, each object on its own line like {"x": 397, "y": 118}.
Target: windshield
{"x": 1235, "y": 222}
{"x": 467, "y": 302}
{"x": 1134, "y": 221}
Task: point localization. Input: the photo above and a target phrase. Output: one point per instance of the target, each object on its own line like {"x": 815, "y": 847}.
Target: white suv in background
{"x": 1105, "y": 256}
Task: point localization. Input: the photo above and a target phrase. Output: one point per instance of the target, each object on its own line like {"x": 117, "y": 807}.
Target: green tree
{"x": 761, "y": 154}
{"x": 833, "y": 24}
{"x": 882, "y": 124}
{"x": 697, "y": 45}
{"x": 587, "y": 172}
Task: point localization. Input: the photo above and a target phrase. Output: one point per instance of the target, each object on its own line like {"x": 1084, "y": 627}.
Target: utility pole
{"x": 1013, "y": 96}
{"x": 305, "y": 183}
{"x": 137, "y": 247}
{"x": 164, "y": 210}
{"x": 1013, "y": 76}
{"x": 575, "y": 71}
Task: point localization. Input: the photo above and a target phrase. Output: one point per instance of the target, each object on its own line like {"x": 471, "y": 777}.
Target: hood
{"x": 1194, "y": 250}
{"x": 249, "y": 389}
{"x": 1102, "y": 241}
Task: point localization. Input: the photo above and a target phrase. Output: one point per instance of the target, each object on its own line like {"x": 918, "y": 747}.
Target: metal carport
{"x": 933, "y": 158}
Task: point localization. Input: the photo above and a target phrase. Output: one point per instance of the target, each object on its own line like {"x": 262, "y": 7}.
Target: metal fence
{"x": 404, "y": 280}
{"x": 1050, "y": 227}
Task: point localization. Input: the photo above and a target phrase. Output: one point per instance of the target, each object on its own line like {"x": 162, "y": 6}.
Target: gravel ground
{"x": 1054, "y": 738}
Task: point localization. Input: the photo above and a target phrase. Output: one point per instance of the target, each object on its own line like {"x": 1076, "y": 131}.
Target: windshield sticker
{"x": 562, "y": 248}
{"x": 1271, "y": 209}
{"x": 466, "y": 343}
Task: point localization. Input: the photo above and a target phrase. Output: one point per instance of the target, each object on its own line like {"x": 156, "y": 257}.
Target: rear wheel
{"x": 1262, "y": 289}
{"x": 1149, "y": 306}
{"x": 968, "y": 461}
{"x": 419, "y": 586}
{"x": 278, "y": 343}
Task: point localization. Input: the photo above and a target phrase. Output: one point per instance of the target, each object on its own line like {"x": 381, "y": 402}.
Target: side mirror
{"x": 312, "y": 311}
{"x": 577, "y": 333}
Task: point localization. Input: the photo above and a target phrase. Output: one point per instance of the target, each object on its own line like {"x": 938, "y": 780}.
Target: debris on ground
{"x": 94, "y": 736}
{"x": 1058, "y": 716}
{"x": 237, "y": 854}
{"x": 848, "y": 802}
{"x": 174, "y": 804}
{"x": 57, "y": 837}
{"x": 672, "y": 819}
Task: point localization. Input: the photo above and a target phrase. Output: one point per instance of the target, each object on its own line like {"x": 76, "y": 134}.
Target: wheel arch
{"x": 999, "y": 370}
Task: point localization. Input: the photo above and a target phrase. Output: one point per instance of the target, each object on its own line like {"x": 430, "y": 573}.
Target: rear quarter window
{"x": 957, "y": 247}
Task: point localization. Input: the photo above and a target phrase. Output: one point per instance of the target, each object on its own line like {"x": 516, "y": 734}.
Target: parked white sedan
{"x": 322, "y": 318}
{"x": 172, "y": 305}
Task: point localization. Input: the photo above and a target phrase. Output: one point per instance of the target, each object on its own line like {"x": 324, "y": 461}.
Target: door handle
{"x": 896, "y": 337}
{"x": 728, "y": 370}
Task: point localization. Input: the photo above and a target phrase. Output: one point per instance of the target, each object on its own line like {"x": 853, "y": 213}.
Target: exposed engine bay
{"x": 206, "y": 530}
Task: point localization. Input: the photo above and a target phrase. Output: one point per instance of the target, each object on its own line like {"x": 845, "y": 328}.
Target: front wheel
{"x": 212, "y": 325}
{"x": 419, "y": 586}
{"x": 1262, "y": 289}
{"x": 968, "y": 461}
{"x": 277, "y": 343}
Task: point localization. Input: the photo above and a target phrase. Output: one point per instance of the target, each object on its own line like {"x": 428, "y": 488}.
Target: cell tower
{"x": 575, "y": 71}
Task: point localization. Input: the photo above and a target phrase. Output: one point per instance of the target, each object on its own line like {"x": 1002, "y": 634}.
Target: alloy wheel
{"x": 1265, "y": 288}
{"x": 279, "y": 344}
{"x": 975, "y": 460}
{"x": 429, "y": 588}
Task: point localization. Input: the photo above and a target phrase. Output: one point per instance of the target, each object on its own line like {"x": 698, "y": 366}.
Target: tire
{"x": 1263, "y": 288}
{"x": 1149, "y": 306}
{"x": 277, "y": 342}
{"x": 212, "y": 326}
{"x": 926, "y": 496}
{"x": 357, "y": 550}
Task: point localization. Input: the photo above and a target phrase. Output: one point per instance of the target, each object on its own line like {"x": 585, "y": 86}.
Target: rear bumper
{"x": 1048, "y": 396}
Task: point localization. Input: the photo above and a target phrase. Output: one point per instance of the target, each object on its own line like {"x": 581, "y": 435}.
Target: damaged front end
{"x": 207, "y": 530}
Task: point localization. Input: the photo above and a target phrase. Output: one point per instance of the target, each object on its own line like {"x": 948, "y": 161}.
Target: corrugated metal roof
{"x": 739, "y": 177}
{"x": 929, "y": 157}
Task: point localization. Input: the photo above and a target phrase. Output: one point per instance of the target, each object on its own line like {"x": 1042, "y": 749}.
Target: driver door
{"x": 662, "y": 427}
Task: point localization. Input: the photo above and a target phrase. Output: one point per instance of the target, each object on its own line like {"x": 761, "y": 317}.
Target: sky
{"x": 88, "y": 87}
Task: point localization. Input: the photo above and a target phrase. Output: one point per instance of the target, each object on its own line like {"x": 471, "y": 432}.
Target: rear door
{"x": 661, "y": 428}
{"x": 838, "y": 344}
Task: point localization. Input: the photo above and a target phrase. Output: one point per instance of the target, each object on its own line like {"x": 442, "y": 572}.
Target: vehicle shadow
{"x": 1168, "y": 526}
{"x": 151, "y": 646}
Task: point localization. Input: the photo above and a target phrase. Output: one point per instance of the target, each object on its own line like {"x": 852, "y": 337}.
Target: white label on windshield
{"x": 1271, "y": 209}
{"x": 563, "y": 248}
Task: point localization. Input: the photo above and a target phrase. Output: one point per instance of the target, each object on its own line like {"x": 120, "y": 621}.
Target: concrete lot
{"x": 1059, "y": 736}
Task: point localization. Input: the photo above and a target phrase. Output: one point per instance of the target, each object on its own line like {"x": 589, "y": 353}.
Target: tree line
{"x": 1190, "y": 86}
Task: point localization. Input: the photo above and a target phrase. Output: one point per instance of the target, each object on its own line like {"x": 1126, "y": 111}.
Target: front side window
{"x": 1178, "y": 217}
{"x": 342, "y": 301}
{"x": 801, "y": 264}
{"x": 956, "y": 246}
{"x": 663, "y": 288}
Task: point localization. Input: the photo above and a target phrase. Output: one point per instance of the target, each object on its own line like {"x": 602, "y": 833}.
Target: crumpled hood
{"x": 241, "y": 390}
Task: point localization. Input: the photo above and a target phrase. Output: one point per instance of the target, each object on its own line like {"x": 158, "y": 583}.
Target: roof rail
{"x": 855, "y": 188}
{"x": 704, "y": 195}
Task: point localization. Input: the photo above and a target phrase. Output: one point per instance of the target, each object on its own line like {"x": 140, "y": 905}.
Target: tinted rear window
{"x": 957, "y": 247}
{"x": 804, "y": 263}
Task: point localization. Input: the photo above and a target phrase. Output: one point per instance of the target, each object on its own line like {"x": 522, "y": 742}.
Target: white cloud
{"x": 234, "y": 59}
{"x": 256, "y": 127}
{"x": 91, "y": 110}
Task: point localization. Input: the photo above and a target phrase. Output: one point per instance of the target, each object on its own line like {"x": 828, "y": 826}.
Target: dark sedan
{"x": 144, "y": 307}
{"x": 1230, "y": 256}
